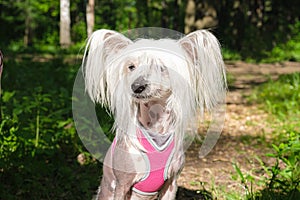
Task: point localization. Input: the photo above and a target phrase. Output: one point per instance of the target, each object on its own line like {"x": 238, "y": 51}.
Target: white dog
{"x": 154, "y": 89}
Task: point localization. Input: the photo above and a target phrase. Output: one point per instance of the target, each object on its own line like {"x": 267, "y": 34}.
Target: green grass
{"x": 281, "y": 98}
{"x": 230, "y": 55}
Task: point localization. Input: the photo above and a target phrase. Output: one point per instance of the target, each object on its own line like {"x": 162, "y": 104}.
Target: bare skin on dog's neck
{"x": 154, "y": 117}
{"x": 156, "y": 120}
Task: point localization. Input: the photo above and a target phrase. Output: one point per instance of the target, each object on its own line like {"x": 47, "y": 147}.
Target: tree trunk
{"x": 90, "y": 16}
{"x": 190, "y": 16}
{"x": 65, "y": 24}
{"x": 28, "y": 32}
{"x": 200, "y": 15}
{"x": 28, "y": 25}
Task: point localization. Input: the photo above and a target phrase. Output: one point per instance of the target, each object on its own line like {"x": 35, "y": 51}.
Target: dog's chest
{"x": 157, "y": 159}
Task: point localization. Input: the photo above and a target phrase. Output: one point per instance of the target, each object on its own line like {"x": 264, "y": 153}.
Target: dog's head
{"x": 147, "y": 77}
{"x": 186, "y": 74}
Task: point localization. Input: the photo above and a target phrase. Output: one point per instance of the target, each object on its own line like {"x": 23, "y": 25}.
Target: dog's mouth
{"x": 151, "y": 95}
{"x": 141, "y": 96}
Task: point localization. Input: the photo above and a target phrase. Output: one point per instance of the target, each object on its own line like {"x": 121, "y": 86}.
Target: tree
{"x": 65, "y": 24}
{"x": 28, "y": 24}
{"x": 190, "y": 16}
{"x": 90, "y": 16}
{"x": 200, "y": 15}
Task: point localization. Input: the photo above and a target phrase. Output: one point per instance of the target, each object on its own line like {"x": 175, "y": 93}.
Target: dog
{"x": 155, "y": 89}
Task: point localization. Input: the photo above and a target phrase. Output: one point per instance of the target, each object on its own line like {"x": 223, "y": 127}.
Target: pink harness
{"x": 158, "y": 161}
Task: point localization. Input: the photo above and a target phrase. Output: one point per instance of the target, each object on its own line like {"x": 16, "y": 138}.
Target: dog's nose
{"x": 138, "y": 87}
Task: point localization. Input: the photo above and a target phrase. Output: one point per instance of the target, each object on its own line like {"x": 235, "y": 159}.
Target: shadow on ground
{"x": 187, "y": 194}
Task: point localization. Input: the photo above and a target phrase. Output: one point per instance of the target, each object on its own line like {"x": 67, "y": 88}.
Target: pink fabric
{"x": 158, "y": 161}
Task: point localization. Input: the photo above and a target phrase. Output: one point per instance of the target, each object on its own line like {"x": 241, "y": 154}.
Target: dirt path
{"x": 245, "y": 135}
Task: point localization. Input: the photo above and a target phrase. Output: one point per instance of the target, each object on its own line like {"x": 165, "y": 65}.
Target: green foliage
{"x": 281, "y": 99}
{"x": 40, "y": 15}
{"x": 264, "y": 31}
{"x": 245, "y": 179}
{"x": 286, "y": 180}
{"x": 230, "y": 55}
{"x": 79, "y": 31}
{"x": 286, "y": 51}
{"x": 38, "y": 140}
{"x": 253, "y": 28}
{"x": 283, "y": 178}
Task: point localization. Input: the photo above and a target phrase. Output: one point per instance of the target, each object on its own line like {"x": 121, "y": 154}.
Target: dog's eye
{"x": 163, "y": 68}
{"x": 131, "y": 67}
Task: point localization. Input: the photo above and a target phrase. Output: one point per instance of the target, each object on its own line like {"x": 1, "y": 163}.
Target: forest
{"x": 42, "y": 42}
{"x": 250, "y": 29}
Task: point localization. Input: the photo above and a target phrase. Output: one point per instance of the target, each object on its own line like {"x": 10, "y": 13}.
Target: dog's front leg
{"x": 115, "y": 185}
{"x": 107, "y": 187}
{"x": 169, "y": 190}
{"x": 123, "y": 185}
{"x": 128, "y": 167}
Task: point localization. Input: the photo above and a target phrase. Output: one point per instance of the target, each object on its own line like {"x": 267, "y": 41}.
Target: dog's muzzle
{"x": 139, "y": 85}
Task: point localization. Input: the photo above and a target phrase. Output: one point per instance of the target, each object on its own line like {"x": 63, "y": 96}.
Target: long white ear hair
{"x": 100, "y": 49}
{"x": 206, "y": 67}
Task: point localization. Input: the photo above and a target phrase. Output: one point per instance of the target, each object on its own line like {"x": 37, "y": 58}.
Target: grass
{"x": 280, "y": 98}
{"x": 230, "y": 55}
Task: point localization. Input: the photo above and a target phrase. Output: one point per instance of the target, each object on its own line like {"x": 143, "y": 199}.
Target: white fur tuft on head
{"x": 100, "y": 45}
{"x": 208, "y": 68}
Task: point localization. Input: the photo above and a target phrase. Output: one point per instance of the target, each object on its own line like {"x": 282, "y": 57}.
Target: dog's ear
{"x": 101, "y": 47}
{"x": 207, "y": 68}
{"x": 107, "y": 41}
